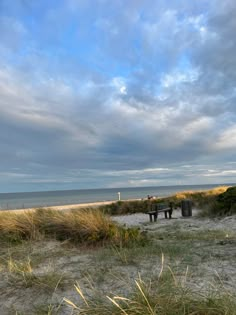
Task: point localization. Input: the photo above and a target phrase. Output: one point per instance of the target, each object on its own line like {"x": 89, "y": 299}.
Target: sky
{"x": 116, "y": 93}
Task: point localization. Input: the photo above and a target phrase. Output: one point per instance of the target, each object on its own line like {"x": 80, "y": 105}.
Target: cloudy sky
{"x": 116, "y": 93}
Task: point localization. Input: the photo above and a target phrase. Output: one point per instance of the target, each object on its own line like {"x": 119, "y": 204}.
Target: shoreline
{"x": 69, "y": 207}
{"x": 105, "y": 199}
{"x": 100, "y": 203}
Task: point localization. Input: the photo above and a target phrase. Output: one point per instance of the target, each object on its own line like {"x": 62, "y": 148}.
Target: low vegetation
{"x": 200, "y": 199}
{"x": 166, "y": 295}
{"x": 21, "y": 273}
{"x": 46, "y": 271}
{"x": 223, "y": 204}
{"x": 126, "y": 207}
{"x": 87, "y": 227}
{"x": 43, "y": 253}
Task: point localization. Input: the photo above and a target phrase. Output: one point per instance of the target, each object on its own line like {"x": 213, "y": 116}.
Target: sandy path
{"x": 193, "y": 223}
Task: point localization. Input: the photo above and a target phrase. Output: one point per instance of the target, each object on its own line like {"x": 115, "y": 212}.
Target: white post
{"x": 118, "y": 196}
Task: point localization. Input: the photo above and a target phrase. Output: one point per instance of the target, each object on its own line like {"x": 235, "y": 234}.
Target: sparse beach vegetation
{"x": 118, "y": 157}
{"x": 168, "y": 294}
{"x": 200, "y": 199}
{"x": 169, "y": 267}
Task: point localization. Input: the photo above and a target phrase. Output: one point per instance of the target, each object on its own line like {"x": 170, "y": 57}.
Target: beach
{"x": 57, "y": 254}
{"x": 65, "y": 207}
{"x": 201, "y": 249}
{"x": 72, "y": 198}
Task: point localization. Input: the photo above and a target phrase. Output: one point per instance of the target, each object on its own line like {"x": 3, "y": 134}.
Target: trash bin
{"x": 186, "y": 208}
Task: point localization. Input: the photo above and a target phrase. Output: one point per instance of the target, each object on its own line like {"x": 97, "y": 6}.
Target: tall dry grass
{"x": 199, "y": 198}
{"x": 88, "y": 226}
{"x": 15, "y": 226}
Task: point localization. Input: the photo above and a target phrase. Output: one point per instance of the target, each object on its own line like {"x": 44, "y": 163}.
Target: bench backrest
{"x": 159, "y": 206}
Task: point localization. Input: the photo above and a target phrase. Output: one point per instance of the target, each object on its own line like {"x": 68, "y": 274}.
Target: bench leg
{"x": 154, "y": 217}
{"x": 165, "y": 214}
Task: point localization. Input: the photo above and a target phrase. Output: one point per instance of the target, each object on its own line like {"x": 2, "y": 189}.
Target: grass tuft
{"x": 87, "y": 226}
{"x": 166, "y": 296}
{"x": 20, "y": 272}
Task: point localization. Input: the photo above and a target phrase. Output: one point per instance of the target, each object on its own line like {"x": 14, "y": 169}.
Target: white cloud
{"x": 119, "y": 84}
{"x": 227, "y": 139}
{"x": 177, "y": 77}
{"x": 15, "y": 175}
{"x": 137, "y": 172}
{"x": 46, "y": 107}
{"x": 123, "y": 90}
{"x": 144, "y": 182}
{"x": 227, "y": 173}
{"x": 196, "y": 127}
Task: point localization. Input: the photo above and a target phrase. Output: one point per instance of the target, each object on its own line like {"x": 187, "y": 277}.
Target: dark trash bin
{"x": 186, "y": 208}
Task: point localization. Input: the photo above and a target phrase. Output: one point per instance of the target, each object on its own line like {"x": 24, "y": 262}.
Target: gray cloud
{"x": 157, "y": 93}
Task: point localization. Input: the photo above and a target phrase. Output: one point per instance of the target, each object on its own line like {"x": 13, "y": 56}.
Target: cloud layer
{"x": 115, "y": 93}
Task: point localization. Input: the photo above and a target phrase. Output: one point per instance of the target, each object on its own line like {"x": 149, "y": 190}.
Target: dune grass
{"x": 200, "y": 199}
{"x": 223, "y": 205}
{"x": 21, "y": 273}
{"x": 211, "y": 192}
{"x": 166, "y": 295}
{"x": 87, "y": 226}
{"x": 124, "y": 207}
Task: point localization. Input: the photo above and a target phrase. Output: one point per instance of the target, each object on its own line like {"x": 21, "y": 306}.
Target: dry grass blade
{"x": 78, "y": 289}
{"x": 70, "y": 303}
{"x": 145, "y": 298}
{"x": 162, "y": 265}
{"x": 117, "y": 305}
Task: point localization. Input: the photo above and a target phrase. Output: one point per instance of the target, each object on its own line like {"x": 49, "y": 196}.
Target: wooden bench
{"x": 158, "y": 208}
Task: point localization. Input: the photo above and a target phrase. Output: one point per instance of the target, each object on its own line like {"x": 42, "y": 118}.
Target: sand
{"x": 66, "y": 207}
{"x": 192, "y": 223}
{"x": 70, "y": 207}
{"x": 209, "y": 262}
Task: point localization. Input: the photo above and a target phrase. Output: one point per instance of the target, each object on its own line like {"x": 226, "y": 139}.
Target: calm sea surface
{"x": 67, "y": 197}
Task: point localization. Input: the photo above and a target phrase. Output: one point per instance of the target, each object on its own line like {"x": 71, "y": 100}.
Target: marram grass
{"x": 200, "y": 199}
{"x": 87, "y": 226}
{"x": 22, "y": 274}
{"x": 167, "y": 295}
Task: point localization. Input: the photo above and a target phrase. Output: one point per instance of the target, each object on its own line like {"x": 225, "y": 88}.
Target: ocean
{"x": 67, "y": 197}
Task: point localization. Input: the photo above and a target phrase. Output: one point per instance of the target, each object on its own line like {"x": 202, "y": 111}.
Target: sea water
{"x": 67, "y": 197}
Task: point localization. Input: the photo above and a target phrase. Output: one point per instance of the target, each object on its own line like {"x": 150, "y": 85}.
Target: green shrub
{"x": 126, "y": 207}
{"x": 224, "y": 204}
